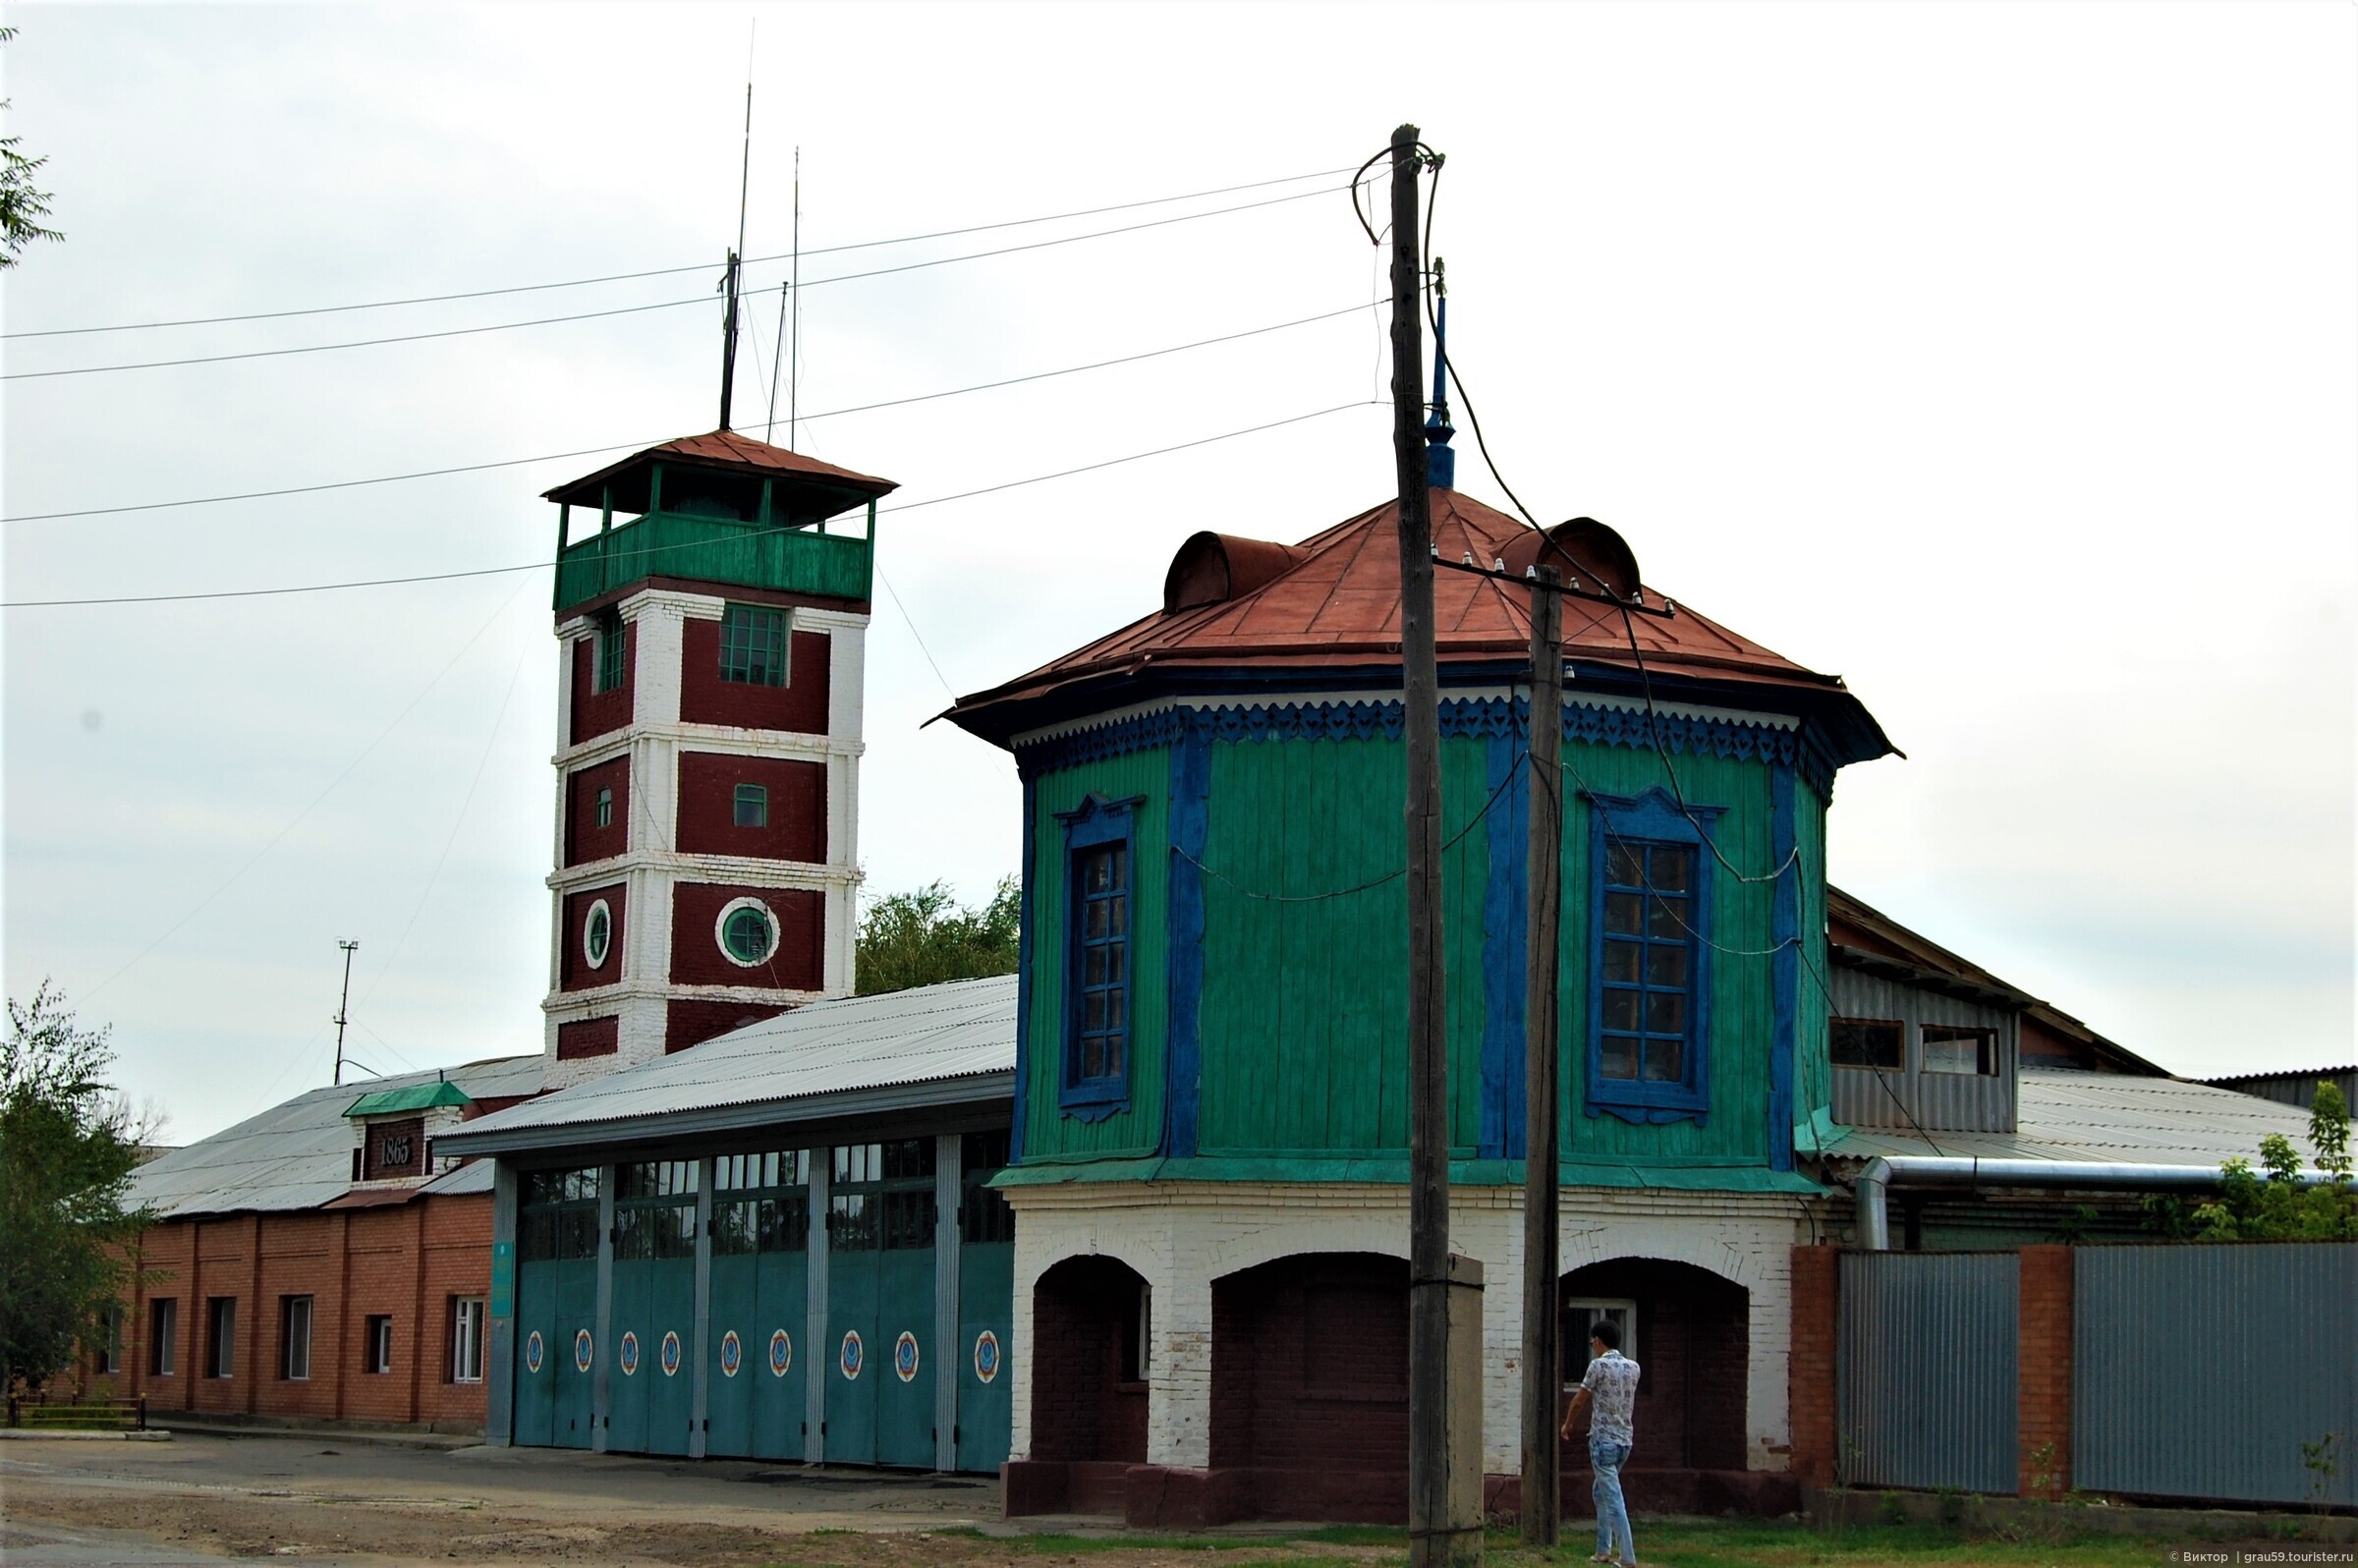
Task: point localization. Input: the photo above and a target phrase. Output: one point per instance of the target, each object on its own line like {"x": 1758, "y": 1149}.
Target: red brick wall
{"x": 1310, "y": 1365}
{"x": 696, "y": 955}
{"x": 406, "y": 1261}
{"x": 573, "y": 973}
{"x": 799, "y": 705}
{"x": 1693, "y": 1332}
{"x": 585, "y": 840}
{"x": 597, "y": 712}
{"x": 687, "y": 1024}
{"x": 1081, "y": 1408}
{"x": 1810, "y": 1368}
{"x": 2043, "y": 1356}
{"x": 592, "y": 1036}
{"x": 798, "y": 806}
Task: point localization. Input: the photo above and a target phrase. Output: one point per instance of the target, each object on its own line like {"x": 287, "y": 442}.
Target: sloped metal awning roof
{"x": 933, "y": 1045}
{"x": 409, "y": 1097}
{"x": 297, "y": 1154}
{"x": 2104, "y": 1118}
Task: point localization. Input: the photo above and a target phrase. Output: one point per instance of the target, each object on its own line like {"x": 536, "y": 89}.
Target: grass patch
{"x": 1764, "y": 1544}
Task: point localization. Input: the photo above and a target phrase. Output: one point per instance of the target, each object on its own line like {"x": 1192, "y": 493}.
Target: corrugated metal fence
{"x": 2199, "y": 1372}
{"x": 1926, "y": 1371}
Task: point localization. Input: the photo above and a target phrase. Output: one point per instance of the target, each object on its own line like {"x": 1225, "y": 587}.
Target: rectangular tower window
{"x": 1867, "y": 1042}
{"x": 1099, "y": 1060}
{"x": 1649, "y": 944}
{"x": 752, "y": 646}
{"x": 220, "y": 1337}
{"x": 752, "y": 806}
{"x": 605, "y": 807}
{"x": 163, "y": 1336}
{"x": 613, "y": 647}
{"x": 295, "y": 1337}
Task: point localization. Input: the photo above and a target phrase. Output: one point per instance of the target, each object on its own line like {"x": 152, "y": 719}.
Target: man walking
{"x": 1609, "y": 1395}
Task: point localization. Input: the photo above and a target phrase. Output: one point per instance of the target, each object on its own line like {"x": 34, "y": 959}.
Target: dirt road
{"x": 333, "y": 1499}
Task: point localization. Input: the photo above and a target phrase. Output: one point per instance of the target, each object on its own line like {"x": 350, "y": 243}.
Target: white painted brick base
{"x": 1182, "y": 1236}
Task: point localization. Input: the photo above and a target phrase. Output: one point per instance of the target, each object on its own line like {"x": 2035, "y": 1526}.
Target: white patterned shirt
{"x": 1612, "y": 1385}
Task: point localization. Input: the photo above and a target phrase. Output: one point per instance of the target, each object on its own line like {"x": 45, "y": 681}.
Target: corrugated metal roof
{"x": 1334, "y": 603}
{"x": 2105, "y": 1118}
{"x": 297, "y": 1154}
{"x": 960, "y": 1036}
{"x": 729, "y": 450}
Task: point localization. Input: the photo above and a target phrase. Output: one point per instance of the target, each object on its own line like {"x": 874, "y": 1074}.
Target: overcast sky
{"x": 1998, "y": 358}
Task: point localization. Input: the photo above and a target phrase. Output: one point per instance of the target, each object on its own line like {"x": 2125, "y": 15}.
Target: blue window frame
{"x": 1102, "y": 889}
{"x": 1650, "y": 948}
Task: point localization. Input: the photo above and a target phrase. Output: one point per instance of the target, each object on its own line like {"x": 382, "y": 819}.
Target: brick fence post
{"x": 1810, "y": 1368}
{"x": 2043, "y": 1359}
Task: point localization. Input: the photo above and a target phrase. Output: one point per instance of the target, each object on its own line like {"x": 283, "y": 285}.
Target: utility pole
{"x": 343, "y": 1005}
{"x": 1543, "y": 1347}
{"x": 1432, "y": 1538}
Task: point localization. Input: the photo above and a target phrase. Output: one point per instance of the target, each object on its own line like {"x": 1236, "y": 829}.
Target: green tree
{"x": 19, "y": 202}
{"x": 926, "y": 938}
{"x": 2270, "y": 1204}
{"x": 68, "y": 1147}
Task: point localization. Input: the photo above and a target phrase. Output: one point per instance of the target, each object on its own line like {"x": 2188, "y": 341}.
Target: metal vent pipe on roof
{"x": 1872, "y": 1186}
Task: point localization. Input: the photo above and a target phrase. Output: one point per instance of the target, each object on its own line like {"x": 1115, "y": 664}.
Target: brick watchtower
{"x": 708, "y": 746}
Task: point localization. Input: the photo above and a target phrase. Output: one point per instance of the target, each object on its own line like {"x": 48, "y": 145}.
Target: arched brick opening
{"x": 1090, "y": 1334}
{"x": 1310, "y": 1365}
{"x": 1692, "y": 1331}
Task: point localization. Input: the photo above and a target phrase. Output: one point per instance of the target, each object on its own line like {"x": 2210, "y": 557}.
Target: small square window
{"x": 376, "y": 1345}
{"x": 752, "y": 646}
{"x": 752, "y": 806}
{"x": 605, "y": 807}
{"x": 1967, "y": 1053}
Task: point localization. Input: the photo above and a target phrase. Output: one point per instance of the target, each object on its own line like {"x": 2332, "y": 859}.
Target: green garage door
{"x": 755, "y": 1364}
{"x": 651, "y": 1386}
{"x": 986, "y": 1307}
{"x": 556, "y": 1307}
{"x": 880, "y": 1219}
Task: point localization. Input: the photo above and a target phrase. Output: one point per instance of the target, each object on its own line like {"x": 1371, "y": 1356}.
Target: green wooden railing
{"x": 669, "y": 544}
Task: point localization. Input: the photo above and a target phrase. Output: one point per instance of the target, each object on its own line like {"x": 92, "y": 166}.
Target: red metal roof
{"x": 728, "y": 450}
{"x": 1338, "y": 605}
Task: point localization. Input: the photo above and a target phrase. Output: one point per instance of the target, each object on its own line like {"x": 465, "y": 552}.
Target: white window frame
{"x": 1623, "y": 1309}
{"x": 379, "y": 1349}
{"x": 467, "y": 1321}
{"x": 295, "y": 1349}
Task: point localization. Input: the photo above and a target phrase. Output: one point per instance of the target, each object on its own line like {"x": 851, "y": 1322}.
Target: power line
{"x": 666, "y": 304}
{"x": 595, "y": 451}
{"x": 660, "y": 272}
{"x": 542, "y": 565}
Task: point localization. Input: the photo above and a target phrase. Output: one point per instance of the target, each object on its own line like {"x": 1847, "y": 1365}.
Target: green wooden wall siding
{"x": 1302, "y": 1038}
{"x": 667, "y": 544}
{"x": 1050, "y": 1135}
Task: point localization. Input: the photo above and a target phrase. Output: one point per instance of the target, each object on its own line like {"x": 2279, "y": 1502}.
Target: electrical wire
{"x": 751, "y": 533}
{"x": 626, "y": 446}
{"x": 665, "y": 304}
{"x": 660, "y": 272}
{"x": 895, "y": 595}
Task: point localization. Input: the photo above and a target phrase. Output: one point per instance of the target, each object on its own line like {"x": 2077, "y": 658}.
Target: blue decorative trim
{"x": 1784, "y": 974}
{"x": 1504, "y": 921}
{"x": 1653, "y": 817}
{"x": 1023, "y": 961}
{"x": 1461, "y": 718}
{"x": 1190, "y": 821}
{"x": 1095, "y": 822}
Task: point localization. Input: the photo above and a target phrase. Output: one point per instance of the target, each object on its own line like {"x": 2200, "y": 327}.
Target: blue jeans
{"x": 1612, "y": 1513}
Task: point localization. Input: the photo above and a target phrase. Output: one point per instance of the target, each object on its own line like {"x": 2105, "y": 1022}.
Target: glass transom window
{"x": 752, "y": 646}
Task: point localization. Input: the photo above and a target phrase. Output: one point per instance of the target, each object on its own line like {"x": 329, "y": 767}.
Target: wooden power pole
{"x": 1432, "y": 1539}
{"x": 1543, "y": 1348}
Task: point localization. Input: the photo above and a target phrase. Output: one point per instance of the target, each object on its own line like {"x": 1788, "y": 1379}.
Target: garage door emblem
{"x": 628, "y": 1360}
{"x": 732, "y": 1354}
{"x": 781, "y": 1353}
{"x": 904, "y": 1356}
{"x": 669, "y": 1358}
{"x": 850, "y": 1355}
{"x": 584, "y": 1351}
{"x": 987, "y": 1356}
{"x": 532, "y": 1352}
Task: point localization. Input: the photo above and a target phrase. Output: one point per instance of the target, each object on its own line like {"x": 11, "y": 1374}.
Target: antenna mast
{"x": 745, "y": 166}
{"x": 344, "y": 1005}
{"x": 794, "y": 340}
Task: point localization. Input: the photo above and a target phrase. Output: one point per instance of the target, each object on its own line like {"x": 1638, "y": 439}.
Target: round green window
{"x": 748, "y": 935}
{"x": 597, "y": 935}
